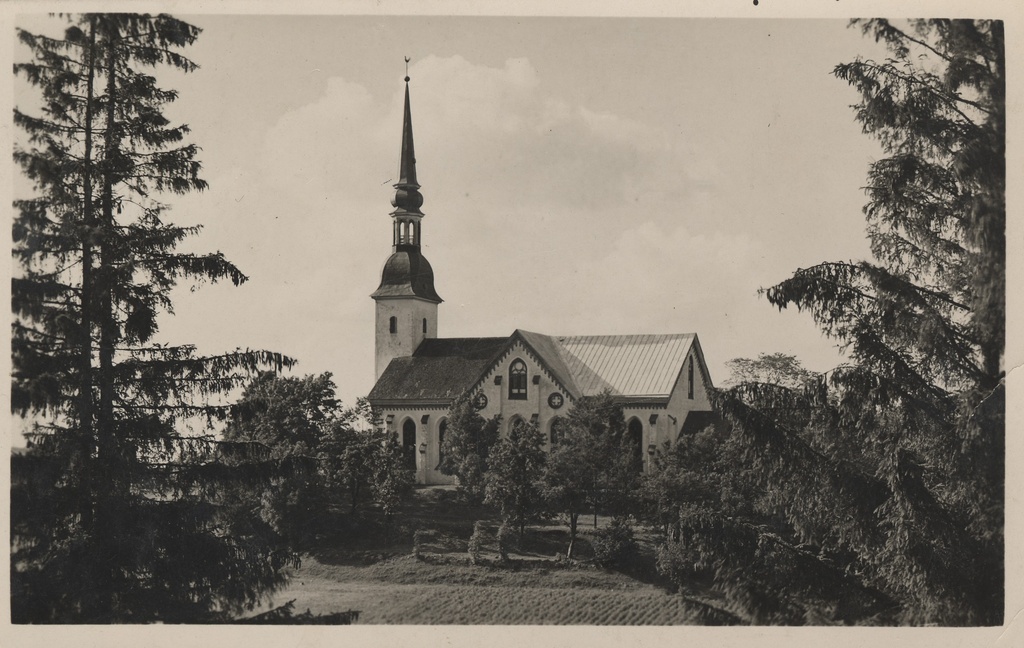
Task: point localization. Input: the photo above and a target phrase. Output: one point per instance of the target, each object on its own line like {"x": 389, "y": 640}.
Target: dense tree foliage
{"x": 467, "y": 445}
{"x": 350, "y": 454}
{"x": 699, "y": 473}
{"x": 289, "y": 415}
{"x": 724, "y": 529}
{"x": 332, "y": 458}
{"x": 889, "y": 470}
{"x": 592, "y": 468}
{"x": 117, "y": 514}
{"x": 290, "y": 418}
{"x": 513, "y": 482}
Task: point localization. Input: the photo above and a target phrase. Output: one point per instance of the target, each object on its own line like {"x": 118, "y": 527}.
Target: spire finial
{"x": 407, "y": 69}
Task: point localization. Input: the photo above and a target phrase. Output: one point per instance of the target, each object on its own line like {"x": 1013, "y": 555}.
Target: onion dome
{"x": 407, "y": 273}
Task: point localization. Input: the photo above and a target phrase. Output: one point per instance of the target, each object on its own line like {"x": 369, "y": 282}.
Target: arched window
{"x": 557, "y": 431}
{"x": 516, "y": 424}
{"x": 689, "y": 380}
{"x": 517, "y": 380}
{"x": 424, "y": 326}
{"x": 393, "y": 324}
{"x": 409, "y": 444}
{"x": 635, "y": 433}
{"x": 442, "y": 429}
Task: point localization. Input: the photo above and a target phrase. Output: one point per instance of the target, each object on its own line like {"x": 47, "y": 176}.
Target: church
{"x": 661, "y": 381}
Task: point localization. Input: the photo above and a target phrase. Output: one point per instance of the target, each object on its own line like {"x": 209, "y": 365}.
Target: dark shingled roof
{"x": 441, "y": 369}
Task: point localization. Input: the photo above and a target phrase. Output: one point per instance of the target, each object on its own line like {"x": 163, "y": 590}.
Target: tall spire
{"x": 406, "y": 302}
{"x": 407, "y": 200}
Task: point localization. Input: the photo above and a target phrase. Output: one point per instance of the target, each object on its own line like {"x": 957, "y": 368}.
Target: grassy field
{"x": 389, "y": 585}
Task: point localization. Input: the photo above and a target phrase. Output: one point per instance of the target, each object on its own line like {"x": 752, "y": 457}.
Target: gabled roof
{"x": 441, "y": 369}
{"x": 628, "y": 366}
{"x": 547, "y": 349}
{"x": 625, "y": 365}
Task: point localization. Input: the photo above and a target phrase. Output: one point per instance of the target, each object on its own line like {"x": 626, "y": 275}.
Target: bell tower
{"x": 406, "y": 301}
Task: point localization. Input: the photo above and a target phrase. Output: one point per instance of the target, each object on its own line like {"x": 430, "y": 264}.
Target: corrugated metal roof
{"x": 626, "y": 365}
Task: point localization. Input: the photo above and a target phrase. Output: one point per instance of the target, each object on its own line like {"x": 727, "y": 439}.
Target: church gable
{"x": 634, "y": 368}
{"x": 701, "y": 379}
{"x": 519, "y": 347}
{"x": 690, "y": 393}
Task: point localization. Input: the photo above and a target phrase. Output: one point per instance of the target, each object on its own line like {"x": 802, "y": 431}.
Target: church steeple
{"x": 407, "y": 197}
{"x": 406, "y": 299}
{"x": 407, "y": 200}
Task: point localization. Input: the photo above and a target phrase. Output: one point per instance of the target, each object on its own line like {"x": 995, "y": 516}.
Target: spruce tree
{"x": 117, "y": 509}
{"x": 891, "y": 468}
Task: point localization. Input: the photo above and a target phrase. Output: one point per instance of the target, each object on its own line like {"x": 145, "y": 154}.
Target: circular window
{"x": 480, "y": 401}
{"x": 555, "y": 400}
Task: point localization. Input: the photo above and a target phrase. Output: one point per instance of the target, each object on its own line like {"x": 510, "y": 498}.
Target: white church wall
{"x": 427, "y": 447}
{"x": 653, "y": 433}
{"x": 409, "y": 314}
{"x": 536, "y": 401}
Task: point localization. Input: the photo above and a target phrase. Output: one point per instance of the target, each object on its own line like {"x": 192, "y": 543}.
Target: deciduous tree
{"x": 292, "y": 419}
{"x": 592, "y": 466}
{"x": 513, "y": 482}
{"x": 773, "y": 368}
{"x": 467, "y": 445}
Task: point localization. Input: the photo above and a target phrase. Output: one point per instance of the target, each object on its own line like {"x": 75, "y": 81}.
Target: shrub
{"x": 675, "y": 563}
{"x": 476, "y": 541}
{"x": 505, "y": 539}
{"x": 614, "y": 545}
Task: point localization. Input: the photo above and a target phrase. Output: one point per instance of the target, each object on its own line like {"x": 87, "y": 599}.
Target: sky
{"x": 581, "y": 176}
